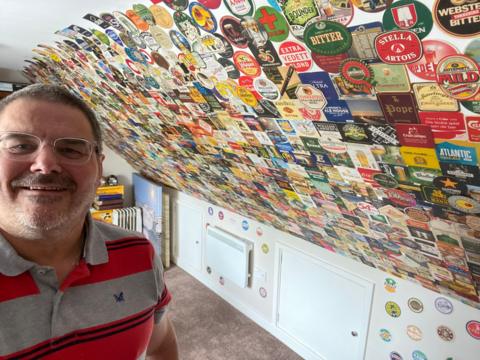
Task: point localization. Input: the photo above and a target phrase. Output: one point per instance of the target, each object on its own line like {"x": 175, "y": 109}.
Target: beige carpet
{"x": 208, "y": 328}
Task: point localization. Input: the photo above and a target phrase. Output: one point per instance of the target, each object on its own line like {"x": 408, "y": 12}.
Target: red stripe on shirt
{"x": 12, "y": 287}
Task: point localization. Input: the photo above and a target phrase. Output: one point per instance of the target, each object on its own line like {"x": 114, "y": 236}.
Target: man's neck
{"x": 48, "y": 248}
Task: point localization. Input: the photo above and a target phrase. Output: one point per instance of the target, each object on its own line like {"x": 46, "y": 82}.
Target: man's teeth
{"x": 45, "y": 188}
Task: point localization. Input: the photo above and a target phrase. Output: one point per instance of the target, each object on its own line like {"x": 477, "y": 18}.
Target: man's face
{"x": 43, "y": 193}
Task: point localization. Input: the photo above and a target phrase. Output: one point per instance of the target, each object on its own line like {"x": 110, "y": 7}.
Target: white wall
{"x": 116, "y": 165}
{"x": 263, "y": 310}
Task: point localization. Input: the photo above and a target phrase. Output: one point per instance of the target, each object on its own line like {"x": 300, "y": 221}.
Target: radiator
{"x": 228, "y": 255}
{"x": 129, "y": 218}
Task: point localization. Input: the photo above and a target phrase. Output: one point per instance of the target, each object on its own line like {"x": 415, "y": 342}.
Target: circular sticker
{"x": 473, "y": 329}
{"x": 221, "y": 280}
{"x": 417, "y": 214}
{"x": 443, "y": 305}
{"x": 203, "y": 17}
{"x": 473, "y": 50}
{"x": 230, "y": 68}
{"x": 263, "y": 292}
{"x": 372, "y": 6}
{"x": 126, "y": 22}
{"x": 445, "y": 333}
{"x": 246, "y": 63}
{"x": 458, "y": 77}
{"x": 450, "y": 185}
{"x": 414, "y": 333}
{"x": 311, "y": 97}
{"x": 415, "y": 305}
{"x": 433, "y": 51}
{"x": 162, "y": 16}
{"x": 178, "y": 5}
{"x": 329, "y": 64}
{"x": 418, "y": 355}
{"x": 220, "y": 215}
{"x": 266, "y": 88}
{"x": 233, "y": 31}
{"x": 398, "y": 47}
{"x": 385, "y": 335}
{"x": 393, "y": 309}
{"x": 400, "y": 197}
{"x": 240, "y": 8}
{"x": 356, "y": 72}
{"x": 385, "y": 181}
{"x": 179, "y": 40}
{"x": 186, "y": 25}
{"x": 390, "y": 285}
{"x": 340, "y": 11}
{"x": 245, "y": 225}
{"x": 464, "y": 204}
{"x": 247, "y": 96}
{"x": 137, "y": 20}
{"x": 273, "y": 22}
{"x": 408, "y": 15}
{"x": 295, "y": 54}
{"x": 210, "y": 210}
{"x": 327, "y": 38}
{"x": 227, "y": 51}
{"x": 395, "y": 356}
{"x": 211, "y": 4}
{"x": 160, "y": 60}
{"x": 458, "y": 17}
{"x": 260, "y": 233}
{"x": 265, "y": 248}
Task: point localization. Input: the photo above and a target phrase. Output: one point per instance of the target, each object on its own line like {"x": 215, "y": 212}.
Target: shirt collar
{"x": 94, "y": 251}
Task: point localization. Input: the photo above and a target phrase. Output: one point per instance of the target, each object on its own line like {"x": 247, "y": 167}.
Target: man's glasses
{"x": 20, "y": 146}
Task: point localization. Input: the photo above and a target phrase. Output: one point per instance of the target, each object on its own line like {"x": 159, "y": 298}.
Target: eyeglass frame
{"x": 93, "y": 145}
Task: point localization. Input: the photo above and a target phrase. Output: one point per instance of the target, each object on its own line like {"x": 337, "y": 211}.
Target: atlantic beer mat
{"x": 408, "y": 15}
{"x": 458, "y": 76}
{"x": 457, "y": 17}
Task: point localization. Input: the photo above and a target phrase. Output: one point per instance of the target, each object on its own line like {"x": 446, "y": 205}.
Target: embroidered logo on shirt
{"x": 119, "y": 297}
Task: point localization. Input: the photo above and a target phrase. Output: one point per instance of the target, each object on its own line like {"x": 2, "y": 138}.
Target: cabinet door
{"x": 322, "y": 307}
{"x": 188, "y": 221}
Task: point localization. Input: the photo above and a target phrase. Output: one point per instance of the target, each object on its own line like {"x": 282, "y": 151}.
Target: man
{"x": 70, "y": 288}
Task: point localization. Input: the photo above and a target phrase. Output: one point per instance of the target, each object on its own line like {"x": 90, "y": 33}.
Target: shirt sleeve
{"x": 164, "y": 295}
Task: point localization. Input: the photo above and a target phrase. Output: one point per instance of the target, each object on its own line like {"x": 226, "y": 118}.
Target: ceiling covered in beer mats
{"x": 352, "y": 124}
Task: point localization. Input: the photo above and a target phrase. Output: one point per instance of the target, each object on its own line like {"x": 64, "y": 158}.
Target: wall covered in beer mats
{"x": 354, "y": 124}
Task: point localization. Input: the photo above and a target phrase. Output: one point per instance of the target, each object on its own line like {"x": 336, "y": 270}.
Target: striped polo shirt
{"x": 104, "y": 309}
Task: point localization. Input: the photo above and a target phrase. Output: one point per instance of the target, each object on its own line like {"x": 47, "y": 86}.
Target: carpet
{"x": 208, "y": 328}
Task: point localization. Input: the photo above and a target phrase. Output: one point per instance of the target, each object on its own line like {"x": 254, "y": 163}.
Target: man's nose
{"x": 46, "y": 160}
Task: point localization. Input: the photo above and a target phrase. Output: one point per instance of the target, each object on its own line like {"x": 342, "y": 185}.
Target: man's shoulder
{"x": 111, "y": 232}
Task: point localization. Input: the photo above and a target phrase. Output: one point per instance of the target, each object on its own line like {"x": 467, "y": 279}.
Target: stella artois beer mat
{"x": 398, "y": 47}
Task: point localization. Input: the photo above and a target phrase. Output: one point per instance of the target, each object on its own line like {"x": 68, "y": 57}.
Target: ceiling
{"x": 26, "y": 23}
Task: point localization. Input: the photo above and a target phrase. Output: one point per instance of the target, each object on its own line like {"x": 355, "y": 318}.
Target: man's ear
{"x": 100, "y": 158}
